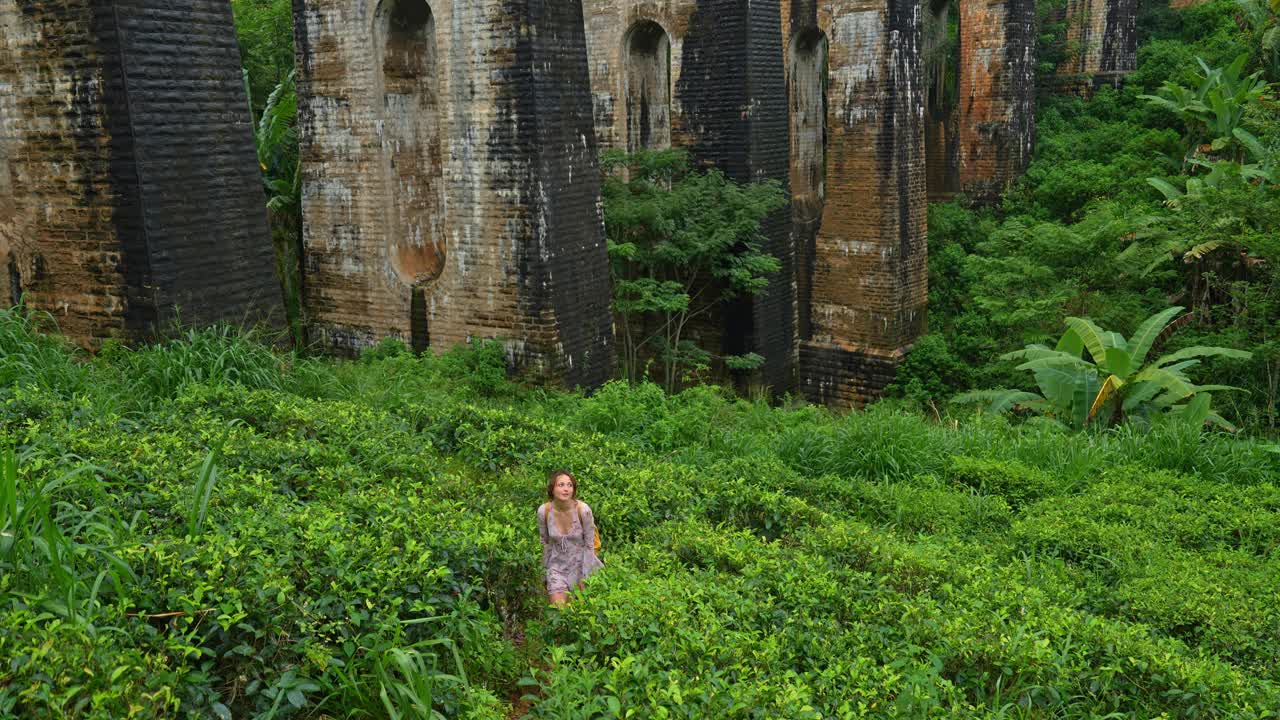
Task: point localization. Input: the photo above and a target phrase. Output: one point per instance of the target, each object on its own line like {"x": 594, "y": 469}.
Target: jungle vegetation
{"x": 212, "y": 526}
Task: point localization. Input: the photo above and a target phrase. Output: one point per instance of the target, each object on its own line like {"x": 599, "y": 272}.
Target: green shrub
{"x": 1015, "y": 482}
{"x": 371, "y": 533}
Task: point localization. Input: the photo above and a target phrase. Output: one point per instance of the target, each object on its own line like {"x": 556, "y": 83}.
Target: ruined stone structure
{"x": 451, "y": 183}
{"x": 997, "y": 94}
{"x": 824, "y": 96}
{"x": 706, "y": 75}
{"x": 863, "y": 262}
{"x": 980, "y": 105}
{"x": 129, "y": 187}
{"x": 1102, "y": 39}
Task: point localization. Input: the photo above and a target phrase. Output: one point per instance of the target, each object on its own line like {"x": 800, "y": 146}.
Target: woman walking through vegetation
{"x": 568, "y": 532}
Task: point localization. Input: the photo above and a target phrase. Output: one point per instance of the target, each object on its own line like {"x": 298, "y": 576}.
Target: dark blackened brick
{"x": 132, "y": 173}
{"x": 515, "y": 237}
{"x": 997, "y": 94}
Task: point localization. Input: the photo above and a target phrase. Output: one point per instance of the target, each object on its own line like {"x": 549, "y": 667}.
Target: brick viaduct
{"x": 451, "y": 185}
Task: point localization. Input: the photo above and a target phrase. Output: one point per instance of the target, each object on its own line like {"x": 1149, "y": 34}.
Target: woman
{"x": 568, "y": 532}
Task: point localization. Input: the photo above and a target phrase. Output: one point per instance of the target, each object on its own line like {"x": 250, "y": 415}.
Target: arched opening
{"x": 942, "y": 83}
{"x": 807, "y": 85}
{"x": 647, "y": 55}
{"x": 411, "y": 140}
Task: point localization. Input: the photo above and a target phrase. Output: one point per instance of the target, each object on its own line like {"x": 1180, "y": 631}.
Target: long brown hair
{"x": 551, "y": 483}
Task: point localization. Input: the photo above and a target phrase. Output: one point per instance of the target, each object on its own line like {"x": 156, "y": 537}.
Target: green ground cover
{"x": 206, "y": 528}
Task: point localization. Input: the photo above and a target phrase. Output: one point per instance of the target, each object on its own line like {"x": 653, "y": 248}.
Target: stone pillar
{"x": 1102, "y": 41}
{"x": 451, "y": 185}
{"x": 867, "y": 273}
{"x": 726, "y": 103}
{"x": 129, "y": 187}
{"x": 997, "y": 94}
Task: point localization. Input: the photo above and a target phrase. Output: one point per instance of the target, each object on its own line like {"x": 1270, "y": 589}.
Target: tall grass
{"x": 58, "y": 539}
{"x": 206, "y": 478}
{"x": 221, "y": 354}
{"x": 33, "y": 355}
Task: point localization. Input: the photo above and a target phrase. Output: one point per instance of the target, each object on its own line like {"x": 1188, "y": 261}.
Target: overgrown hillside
{"x": 206, "y": 528}
{"x": 1163, "y": 192}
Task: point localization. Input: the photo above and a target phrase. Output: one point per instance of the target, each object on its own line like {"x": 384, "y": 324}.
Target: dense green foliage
{"x": 1131, "y": 204}
{"x": 264, "y": 29}
{"x": 682, "y": 243}
{"x": 213, "y": 529}
{"x": 1096, "y": 376}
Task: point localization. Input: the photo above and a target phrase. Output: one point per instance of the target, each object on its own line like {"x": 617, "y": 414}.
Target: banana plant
{"x": 1262, "y": 24}
{"x": 1262, "y": 172}
{"x": 1093, "y": 375}
{"x": 1215, "y": 108}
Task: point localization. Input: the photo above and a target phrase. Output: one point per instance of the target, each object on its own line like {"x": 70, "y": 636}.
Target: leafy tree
{"x": 1214, "y": 110}
{"x": 1093, "y": 374}
{"x": 682, "y": 242}
{"x": 930, "y": 373}
{"x": 264, "y": 29}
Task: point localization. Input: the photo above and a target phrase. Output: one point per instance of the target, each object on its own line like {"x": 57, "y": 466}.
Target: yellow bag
{"x": 596, "y": 546}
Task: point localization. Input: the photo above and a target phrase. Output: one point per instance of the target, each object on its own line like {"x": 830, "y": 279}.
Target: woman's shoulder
{"x": 542, "y": 509}
{"x": 585, "y": 508}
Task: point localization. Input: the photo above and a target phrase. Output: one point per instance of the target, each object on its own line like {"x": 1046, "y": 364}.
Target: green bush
{"x": 1017, "y": 483}
{"x": 369, "y": 536}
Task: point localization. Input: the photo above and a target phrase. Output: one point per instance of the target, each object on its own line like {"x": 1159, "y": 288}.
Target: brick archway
{"x": 646, "y": 80}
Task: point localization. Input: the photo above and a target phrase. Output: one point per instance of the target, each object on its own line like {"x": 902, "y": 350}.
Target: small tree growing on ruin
{"x": 682, "y": 241}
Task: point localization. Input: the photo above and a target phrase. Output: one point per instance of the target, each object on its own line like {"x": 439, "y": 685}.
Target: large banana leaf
{"x": 1110, "y": 387}
{"x": 1070, "y": 343}
{"x": 1171, "y": 382}
{"x": 1095, "y": 339}
{"x": 1200, "y": 351}
{"x": 1086, "y": 387}
{"x": 1000, "y": 402}
{"x": 1030, "y": 352}
{"x": 1138, "y": 394}
{"x": 1061, "y": 361}
{"x": 1059, "y": 386}
{"x": 1219, "y": 388}
{"x": 1196, "y": 411}
{"x": 1252, "y": 143}
{"x": 1221, "y": 422}
{"x": 1170, "y": 191}
{"x": 1146, "y": 334}
{"x": 1119, "y": 362}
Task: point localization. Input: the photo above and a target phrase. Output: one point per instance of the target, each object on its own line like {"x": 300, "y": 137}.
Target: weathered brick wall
{"x": 199, "y": 186}
{"x": 58, "y": 204}
{"x": 869, "y": 278}
{"x": 728, "y": 106}
{"x": 497, "y": 229}
{"x": 1103, "y": 42}
{"x": 997, "y": 94}
{"x": 131, "y": 188}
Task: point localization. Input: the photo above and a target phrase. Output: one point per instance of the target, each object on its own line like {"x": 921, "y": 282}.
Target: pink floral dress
{"x": 570, "y": 557}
